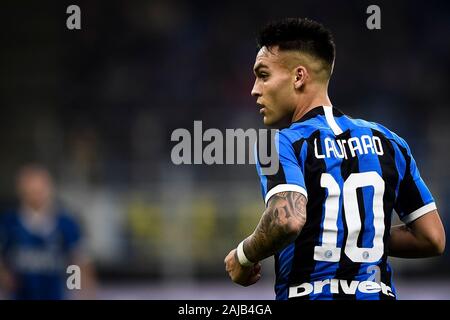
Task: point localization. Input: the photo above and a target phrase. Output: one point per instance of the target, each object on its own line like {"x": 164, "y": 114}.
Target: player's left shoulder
{"x": 380, "y": 129}
{"x": 392, "y": 136}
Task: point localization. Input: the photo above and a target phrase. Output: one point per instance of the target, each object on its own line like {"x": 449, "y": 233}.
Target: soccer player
{"x": 328, "y": 208}
{"x": 38, "y": 241}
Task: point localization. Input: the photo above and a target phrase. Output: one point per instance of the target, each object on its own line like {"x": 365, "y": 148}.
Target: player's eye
{"x": 264, "y": 75}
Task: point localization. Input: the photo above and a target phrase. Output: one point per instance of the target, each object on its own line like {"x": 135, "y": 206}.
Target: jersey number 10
{"x": 329, "y": 251}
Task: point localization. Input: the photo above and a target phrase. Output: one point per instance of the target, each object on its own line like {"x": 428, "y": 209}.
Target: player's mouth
{"x": 262, "y": 108}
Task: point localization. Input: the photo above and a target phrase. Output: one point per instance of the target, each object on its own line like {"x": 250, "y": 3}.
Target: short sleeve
{"x": 3, "y": 234}
{"x": 414, "y": 199}
{"x": 72, "y": 233}
{"x": 288, "y": 174}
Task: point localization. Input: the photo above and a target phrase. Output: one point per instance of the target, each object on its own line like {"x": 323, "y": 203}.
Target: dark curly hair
{"x": 300, "y": 34}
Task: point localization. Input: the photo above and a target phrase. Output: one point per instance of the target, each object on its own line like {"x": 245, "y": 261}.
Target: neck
{"x": 318, "y": 99}
{"x": 36, "y": 210}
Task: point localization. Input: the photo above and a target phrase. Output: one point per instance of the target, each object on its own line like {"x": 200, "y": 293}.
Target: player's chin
{"x": 268, "y": 119}
{"x": 271, "y": 122}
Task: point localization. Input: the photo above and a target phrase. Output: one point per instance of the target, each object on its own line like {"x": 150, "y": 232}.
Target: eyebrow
{"x": 258, "y": 67}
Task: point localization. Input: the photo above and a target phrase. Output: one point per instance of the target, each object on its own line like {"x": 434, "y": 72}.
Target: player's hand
{"x": 245, "y": 276}
{"x": 7, "y": 281}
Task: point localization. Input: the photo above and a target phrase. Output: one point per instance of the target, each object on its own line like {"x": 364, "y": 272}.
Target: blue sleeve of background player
{"x": 6, "y": 225}
{"x": 288, "y": 177}
{"x": 72, "y": 233}
{"x": 3, "y": 235}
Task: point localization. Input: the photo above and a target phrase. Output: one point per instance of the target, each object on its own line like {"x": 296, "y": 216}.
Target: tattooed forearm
{"x": 280, "y": 225}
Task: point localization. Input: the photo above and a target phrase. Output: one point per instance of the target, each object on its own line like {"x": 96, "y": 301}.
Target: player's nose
{"x": 256, "y": 92}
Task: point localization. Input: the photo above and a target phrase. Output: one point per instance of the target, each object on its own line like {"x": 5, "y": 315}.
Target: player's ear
{"x": 301, "y": 74}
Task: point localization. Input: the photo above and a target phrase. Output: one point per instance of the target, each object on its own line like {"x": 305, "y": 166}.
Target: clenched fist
{"x": 245, "y": 276}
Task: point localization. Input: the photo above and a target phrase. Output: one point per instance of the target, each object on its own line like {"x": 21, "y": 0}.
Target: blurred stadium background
{"x": 98, "y": 106}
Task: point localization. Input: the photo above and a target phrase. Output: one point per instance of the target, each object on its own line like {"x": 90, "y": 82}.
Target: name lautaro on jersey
{"x": 356, "y": 145}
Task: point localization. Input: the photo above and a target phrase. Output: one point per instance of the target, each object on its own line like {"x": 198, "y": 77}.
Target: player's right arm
{"x": 279, "y": 225}
{"x": 286, "y": 199}
{"x": 285, "y": 196}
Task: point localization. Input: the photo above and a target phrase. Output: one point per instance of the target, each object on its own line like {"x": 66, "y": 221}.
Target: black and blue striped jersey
{"x": 354, "y": 174}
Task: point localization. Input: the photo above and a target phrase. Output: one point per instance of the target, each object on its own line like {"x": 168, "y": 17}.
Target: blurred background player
{"x": 38, "y": 241}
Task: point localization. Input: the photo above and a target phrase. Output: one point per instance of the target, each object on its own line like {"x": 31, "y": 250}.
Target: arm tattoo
{"x": 280, "y": 225}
